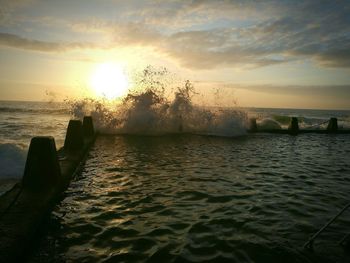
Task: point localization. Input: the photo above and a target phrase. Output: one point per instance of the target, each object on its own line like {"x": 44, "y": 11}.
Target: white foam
{"x": 269, "y": 124}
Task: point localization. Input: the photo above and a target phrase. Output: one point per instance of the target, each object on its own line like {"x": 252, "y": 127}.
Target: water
{"x": 214, "y": 194}
{"x": 190, "y": 198}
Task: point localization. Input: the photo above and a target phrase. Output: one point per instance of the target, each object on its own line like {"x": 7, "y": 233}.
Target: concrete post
{"x": 88, "y": 126}
{"x": 253, "y": 127}
{"x": 332, "y": 125}
{"x": 42, "y": 171}
{"x": 293, "y": 126}
{"x": 74, "y": 138}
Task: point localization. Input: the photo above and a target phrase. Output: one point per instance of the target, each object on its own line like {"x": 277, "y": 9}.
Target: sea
{"x": 173, "y": 182}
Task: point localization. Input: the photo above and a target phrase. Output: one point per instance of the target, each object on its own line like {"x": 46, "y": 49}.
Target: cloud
{"x": 275, "y": 33}
{"x": 288, "y": 31}
{"x": 205, "y": 34}
{"x": 11, "y": 40}
{"x": 7, "y": 7}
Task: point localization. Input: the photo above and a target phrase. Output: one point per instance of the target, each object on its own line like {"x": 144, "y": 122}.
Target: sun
{"x": 109, "y": 81}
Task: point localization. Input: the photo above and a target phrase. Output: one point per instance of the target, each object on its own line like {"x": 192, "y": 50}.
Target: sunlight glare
{"x": 109, "y": 80}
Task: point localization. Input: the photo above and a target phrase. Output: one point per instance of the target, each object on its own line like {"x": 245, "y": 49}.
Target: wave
{"x": 150, "y": 112}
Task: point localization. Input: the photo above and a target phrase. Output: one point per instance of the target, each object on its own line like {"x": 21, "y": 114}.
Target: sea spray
{"x": 149, "y": 110}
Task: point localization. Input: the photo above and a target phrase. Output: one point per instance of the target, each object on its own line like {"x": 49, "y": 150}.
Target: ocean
{"x": 19, "y": 122}
{"x": 184, "y": 184}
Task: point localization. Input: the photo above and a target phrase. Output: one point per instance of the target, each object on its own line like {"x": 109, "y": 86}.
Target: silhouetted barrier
{"x": 88, "y": 126}
{"x": 47, "y": 174}
{"x": 74, "y": 138}
{"x": 253, "y": 127}
{"x": 333, "y": 125}
{"x": 42, "y": 171}
{"x": 293, "y": 128}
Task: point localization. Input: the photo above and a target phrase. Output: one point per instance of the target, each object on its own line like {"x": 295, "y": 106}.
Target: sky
{"x": 287, "y": 54}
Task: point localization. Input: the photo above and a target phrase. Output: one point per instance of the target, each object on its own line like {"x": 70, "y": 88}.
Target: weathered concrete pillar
{"x": 332, "y": 125}
{"x": 74, "y": 138}
{"x": 42, "y": 171}
{"x": 88, "y": 126}
{"x": 293, "y": 126}
{"x": 253, "y": 127}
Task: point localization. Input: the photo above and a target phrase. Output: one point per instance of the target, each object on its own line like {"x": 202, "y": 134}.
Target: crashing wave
{"x": 148, "y": 111}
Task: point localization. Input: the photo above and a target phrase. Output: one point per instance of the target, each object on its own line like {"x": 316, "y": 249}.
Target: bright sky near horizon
{"x": 289, "y": 54}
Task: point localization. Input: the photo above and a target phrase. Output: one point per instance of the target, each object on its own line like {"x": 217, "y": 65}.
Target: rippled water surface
{"x": 190, "y": 198}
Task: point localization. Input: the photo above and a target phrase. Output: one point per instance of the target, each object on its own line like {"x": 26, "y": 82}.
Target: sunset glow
{"x": 268, "y": 54}
{"x": 174, "y": 131}
{"x": 109, "y": 81}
